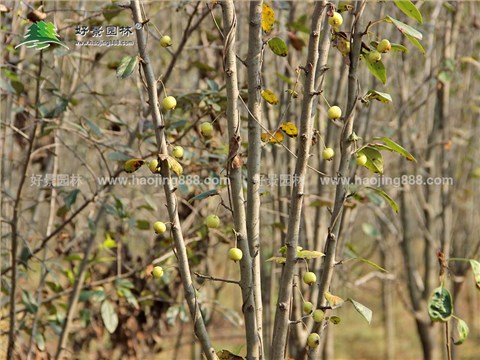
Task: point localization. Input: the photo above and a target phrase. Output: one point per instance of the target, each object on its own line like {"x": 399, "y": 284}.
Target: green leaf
{"x": 96, "y": 130}
{"x": 399, "y": 48}
{"x": 377, "y": 95}
{"x": 85, "y": 317}
{"x": 109, "y": 316}
{"x": 374, "y": 159}
{"x": 92, "y": 295}
{"x": 54, "y": 286}
{"x": 118, "y": 156}
{"x": 416, "y": 43}
{"x": 204, "y": 195}
{"x": 409, "y": 9}
{"x": 309, "y": 254}
{"x": 171, "y": 314}
{"x": 362, "y": 310}
{"x": 334, "y": 320}
{"x": 124, "y": 283}
{"x": 127, "y": 66}
{"x": 70, "y": 198}
{"x": 278, "y": 46}
{"x": 143, "y": 224}
{"x": 127, "y": 294}
{"x": 370, "y": 230}
{"x": 397, "y": 148}
{"x": 440, "y": 306}
{"x": 377, "y": 68}
{"x": 39, "y": 340}
{"x": 29, "y": 301}
{"x": 404, "y": 28}
{"x": 476, "y": 271}
{"x": 371, "y": 263}
{"x": 383, "y": 194}
{"x": 463, "y": 331}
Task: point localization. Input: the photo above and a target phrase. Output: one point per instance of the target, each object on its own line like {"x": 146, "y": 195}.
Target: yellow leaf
{"x": 173, "y": 164}
{"x": 278, "y": 259}
{"x": 269, "y": 96}
{"x": 132, "y": 165}
{"x": 333, "y": 300}
{"x": 268, "y": 18}
{"x": 309, "y": 254}
{"x": 290, "y": 129}
{"x": 276, "y": 138}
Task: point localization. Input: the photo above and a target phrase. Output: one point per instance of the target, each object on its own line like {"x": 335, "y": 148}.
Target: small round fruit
{"x": 318, "y": 315}
{"x": 165, "y": 41}
{"x": 178, "y": 152}
{"x": 374, "y": 56}
{"x": 235, "y": 254}
{"x": 159, "y": 227}
{"x": 361, "y": 159}
{"x": 212, "y": 221}
{"x": 328, "y": 153}
{"x": 307, "y": 307}
{"x": 153, "y": 166}
{"x": 334, "y": 112}
{"x": 384, "y": 46}
{"x": 169, "y": 103}
{"x": 206, "y": 129}
{"x": 336, "y": 19}
{"x": 157, "y": 272}
{"x": 309, "y": 278}
{"x": 313, "y": 340}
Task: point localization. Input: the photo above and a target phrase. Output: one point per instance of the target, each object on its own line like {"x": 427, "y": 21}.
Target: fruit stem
{"x": 324, "y": 98}
{"x": 163, "y": 87}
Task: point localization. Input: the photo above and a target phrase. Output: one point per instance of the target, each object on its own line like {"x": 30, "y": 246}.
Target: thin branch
{"x": 180, "y": 248}
{"x": 234, "y": 171}
{"x": 280, "y": 330}
{"x": 212, "y": 278}
{"x": 15, "y": 217}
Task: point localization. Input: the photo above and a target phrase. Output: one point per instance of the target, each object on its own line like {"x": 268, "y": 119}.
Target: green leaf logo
{"x": 40, "y": 35}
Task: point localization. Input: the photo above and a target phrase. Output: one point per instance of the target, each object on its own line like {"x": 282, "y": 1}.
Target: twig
{"x": 212, "y": 278}
{"x": 15, "y": 217}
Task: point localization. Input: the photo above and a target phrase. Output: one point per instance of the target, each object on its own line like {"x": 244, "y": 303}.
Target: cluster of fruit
{"x": 318, "y": 315}
{"x": 212, "y": 221}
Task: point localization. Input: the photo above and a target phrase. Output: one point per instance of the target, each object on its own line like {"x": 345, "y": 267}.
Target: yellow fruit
{"x": 159, "y": 227}
{"x": 307, "y": 307}
{"x": 361, "y": 159}
{"x": 313, "y": 340}
{"x": 157, "y": 272}
{"x": 309, "y": 278}
{"x": 206, "y": 129}
{"x": 235, "y": 254}
{"x": 328, "y": 153}
{"x": 336, "y": 19}
{"x": 374, "y": 56}
{"x": 384, "y": 46}
{"x": 169, "y": 103}
{"x": 212, "y": 221}
{"x": 334, "y": 112}
{"x": 178, "y": 152}
{"x": 318, "y": 315}
{"x": 153, "y": 166}
{"x": 166, "y": 41}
